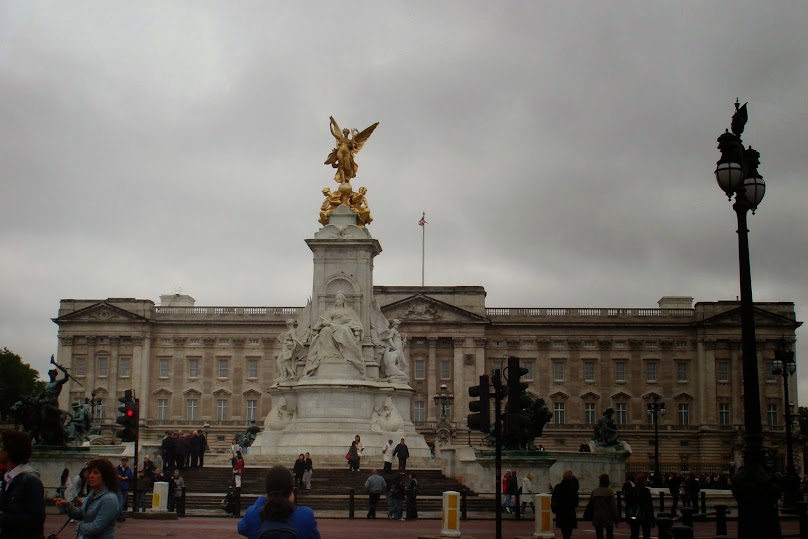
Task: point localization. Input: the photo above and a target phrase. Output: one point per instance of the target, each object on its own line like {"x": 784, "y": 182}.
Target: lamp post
{"x": 656, "y": 409}
{"x": 753, "y": 486}
{"x": 785, "y": 366}
{"x": 444, "y": 400}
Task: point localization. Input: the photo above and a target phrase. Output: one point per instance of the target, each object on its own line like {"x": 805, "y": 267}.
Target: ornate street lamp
{"x": 656, "y": 409}
{"x": 443, "y": 401}
{"x": 785, "y": 366}
{"x": 753, "y": 486}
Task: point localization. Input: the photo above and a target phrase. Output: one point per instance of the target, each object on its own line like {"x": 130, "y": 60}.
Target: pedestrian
{"x": 235, "y": 449}
{"x": 674, "y": 486}
{"x": 238, "y": 472}
{"x": 196, "y": 446}
{"x": 22, "y": 500}
{"x": 412, "y": 495}
{"x": 146, "y": 476}
{"x": 527, "y": 493}
{"x": 605, "y": 515}
{"x": 276, "y": 506}
{"x": 564, "y": 503}
{"x": 359, "y": 449}
{"x": 375, "y": 485}
{"x": 640, "y": 508}
{"x": 511, "y": 490}
{"x": 125, "y": 477}
{"x": 167, "y": 449}
{"x": 506, "y": 501}
{"x": 403, "y": 453}
{"x": 203, "y": 442}
{"x": 626, "y": 490}
{"x": 353, "y": 457}
{"x": 77, "y": 490}
{"x": 309, "y": 471}
{"x": 64, "y": 484}
{"x": 387, "y": 456}
{"x": 299, "y": 469}
{"x": 692, "y": 488}
{"x": 176, "y": 494}
{"x": 397, "y": 494}
{"x": 100, "y": 508}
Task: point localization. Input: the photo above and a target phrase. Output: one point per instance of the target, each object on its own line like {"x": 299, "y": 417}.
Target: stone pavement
{"x": 225, "y": 528}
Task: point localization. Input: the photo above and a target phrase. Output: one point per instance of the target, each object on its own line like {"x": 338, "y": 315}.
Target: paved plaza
{"x": 225, "y": 528}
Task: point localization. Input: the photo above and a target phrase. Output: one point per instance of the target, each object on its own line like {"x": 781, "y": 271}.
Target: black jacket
{"x": 22, "y": 507}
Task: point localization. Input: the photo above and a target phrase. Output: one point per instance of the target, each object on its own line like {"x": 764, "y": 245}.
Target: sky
{"x": 563, "y": 152}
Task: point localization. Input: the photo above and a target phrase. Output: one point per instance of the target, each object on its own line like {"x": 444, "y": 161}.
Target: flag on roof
{"x": 422, "y": 221}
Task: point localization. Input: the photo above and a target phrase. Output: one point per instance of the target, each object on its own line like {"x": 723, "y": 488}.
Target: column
{"x": 458, "y": 377}
{"x": 433, "y": 379}
{"x": 64, "y": 357}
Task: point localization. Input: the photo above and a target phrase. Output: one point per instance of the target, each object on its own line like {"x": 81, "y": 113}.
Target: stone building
{"x": 194, "y": 366}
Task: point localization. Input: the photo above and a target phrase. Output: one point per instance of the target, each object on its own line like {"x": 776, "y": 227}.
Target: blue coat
{"x": 97, "y": 515}
{"x": 302, "y": 519}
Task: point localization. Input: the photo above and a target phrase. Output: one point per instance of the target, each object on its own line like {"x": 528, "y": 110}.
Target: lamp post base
{"x": 757, "y": 495}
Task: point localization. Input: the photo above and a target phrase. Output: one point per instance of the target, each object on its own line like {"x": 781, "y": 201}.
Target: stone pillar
{"x": 458, "y": 382}
{"x": 433, "y": 379}
{"x": 141, "y": 363}
{"x": 64, "y": 357}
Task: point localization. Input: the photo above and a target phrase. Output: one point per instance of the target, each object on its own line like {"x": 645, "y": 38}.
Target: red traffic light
{"x": 130, "y": 413}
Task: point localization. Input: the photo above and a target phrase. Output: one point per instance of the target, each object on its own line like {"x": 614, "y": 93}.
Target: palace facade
{"x": 209, "y": 368}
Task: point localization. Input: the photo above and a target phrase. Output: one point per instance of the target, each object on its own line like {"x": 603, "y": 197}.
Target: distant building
{"x": 190, "y": 365}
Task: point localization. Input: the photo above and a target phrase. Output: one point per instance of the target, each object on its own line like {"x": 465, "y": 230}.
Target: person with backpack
{"x": 274, "y": 515}
{"x": 605, "y": 516}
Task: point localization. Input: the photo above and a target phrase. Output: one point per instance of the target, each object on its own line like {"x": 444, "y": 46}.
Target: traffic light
{"x": 515, "y": 387}
{"x": 481, "y": 419}
{"x": 128, "y": 417}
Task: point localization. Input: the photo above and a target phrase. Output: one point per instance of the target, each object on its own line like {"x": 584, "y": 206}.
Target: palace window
{"x": 125, "y": 367}
{"x": 252, "y": 409}
{"x": 589, "y": 371}
{"x": 193, "y": 368}
{"x": 681, "y": 371}
{"x": 558, "y": 370}
{"x": 223, "y": 368}
{"x": 722, "y": 370}
{"x": 768, "y": 367}
{"x": 445, "y": 369}
{"x": 772, "y": 415}
{"x": 221, "y": 409}
{"x": 724, "y": 418}
{"x": 162, "y": 409}
{"x": 81, "y": 366}
{"x": 620, "y": 371}
{"x": 420, "y": 369}
{"x": 102, "y": 364}
{"x": 100, "y": 408}
{"x": 418, "y": 411}
{"x": 621, "y": 413}
{"x": 191, "y": 409}
{"x": 529, "y": 366}
{"x": 252, "y": 368}
{"x": 684, "y": 413}
{"x": 164, "y": 367}
{"x": 590, "y": 415}
{"x": 559, "y": 413}
{"x": 650, "y": 371}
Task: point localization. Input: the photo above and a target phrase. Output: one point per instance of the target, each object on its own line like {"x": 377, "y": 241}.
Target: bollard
{"x": 464, "y": 494}
{"x": 351, "y": 503}
{"x": 664, "y": 525}
{"x": 661, "y": 500}
{"x": 721, "y": 520}
{"x": 543, "y": 517}
{"x": 687, "y": 517}
{"x": 682, "y": 532}
{"x": 802, "y": 510}
{"x": 450, "y": 519}
{"x": 160, "y": 497}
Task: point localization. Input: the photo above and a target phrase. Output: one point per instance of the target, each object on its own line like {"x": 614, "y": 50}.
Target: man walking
{"x": 674, "y": 485}
{"x": 387, "y": 456}
{"x": 374, "y": 485}
{"x": 403, "y": 453}
{"x": 125, "y": 476}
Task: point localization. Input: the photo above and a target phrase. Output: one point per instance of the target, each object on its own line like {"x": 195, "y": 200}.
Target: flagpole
{"x": 422, "y": 224}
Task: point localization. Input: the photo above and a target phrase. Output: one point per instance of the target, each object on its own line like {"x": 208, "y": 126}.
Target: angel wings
{"x": 348, "y": 143}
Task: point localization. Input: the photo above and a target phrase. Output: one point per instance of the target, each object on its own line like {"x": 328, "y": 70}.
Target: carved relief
{"x": 543, "y": 344}
{"x": 635, "y": 344}
{"x": 209, "y": 341}
{"x": 421, "y": 311}
{"x": 605, "y": 344}
{"x": 480, "y": 342}
{"x": 709, "y": 344}
{"x": 67, "y": 341}
{"x": 666, "y": 344}
{"x": 385, "y": 417}
{"x": 281, "y": 415}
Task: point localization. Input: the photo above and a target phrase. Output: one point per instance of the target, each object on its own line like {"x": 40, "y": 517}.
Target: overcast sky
{"x": 563, "y": 152}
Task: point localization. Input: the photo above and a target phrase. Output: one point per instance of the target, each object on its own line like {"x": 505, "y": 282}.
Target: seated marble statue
{"x": 385, "y": 417}
{"x": 606, "y": 430}
{"x": 337, "y": 334}
{"x": 280, "y": 416}
{"x": 393, "y": 364}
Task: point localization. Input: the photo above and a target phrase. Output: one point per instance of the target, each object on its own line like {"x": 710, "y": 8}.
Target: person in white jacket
{"x": 387, "y": 456}
{"x": 527, "y": 493}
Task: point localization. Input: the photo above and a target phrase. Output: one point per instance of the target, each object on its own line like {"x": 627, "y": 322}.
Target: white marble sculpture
{"x": 280, "y": 416}
{"x": 291, "y": 351}
{"x": 337, "y": 333}
{"x": 385, "y": 417}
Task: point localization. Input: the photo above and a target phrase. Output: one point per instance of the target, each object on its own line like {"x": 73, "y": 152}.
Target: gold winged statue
{"x": 342, "y": 157}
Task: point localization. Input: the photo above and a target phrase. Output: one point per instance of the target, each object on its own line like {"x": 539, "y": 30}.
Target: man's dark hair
{"x": 107, "y": 472}
{"x": 17, "y": 444}
{"x": 278, "y": 486}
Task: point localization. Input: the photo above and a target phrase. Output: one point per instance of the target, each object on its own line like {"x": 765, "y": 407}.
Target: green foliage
{"x": 18, "y": 379}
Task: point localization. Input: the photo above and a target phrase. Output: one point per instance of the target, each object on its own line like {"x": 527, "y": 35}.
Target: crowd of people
{"x": 183, "y": 451}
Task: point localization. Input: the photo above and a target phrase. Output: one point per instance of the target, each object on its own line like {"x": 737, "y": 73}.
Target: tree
{"x": 18, "y": 379}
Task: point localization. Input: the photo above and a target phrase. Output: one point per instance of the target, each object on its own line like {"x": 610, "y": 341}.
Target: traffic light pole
{"x": 134, "y": 469}
{"x": 497, "y": 379}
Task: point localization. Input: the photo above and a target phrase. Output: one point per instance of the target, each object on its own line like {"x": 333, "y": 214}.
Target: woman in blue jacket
{"x": 278, "y": 506}
{"x": 99, "y": 511}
